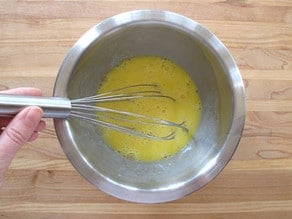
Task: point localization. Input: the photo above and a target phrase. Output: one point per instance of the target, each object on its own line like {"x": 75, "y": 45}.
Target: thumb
{"x": 17, "y": 133}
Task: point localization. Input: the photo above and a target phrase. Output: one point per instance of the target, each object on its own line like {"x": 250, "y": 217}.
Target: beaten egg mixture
{"x": 172, "y": 81}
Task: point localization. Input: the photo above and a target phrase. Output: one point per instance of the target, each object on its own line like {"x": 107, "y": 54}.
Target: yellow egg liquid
{"x": 172, "y": 81}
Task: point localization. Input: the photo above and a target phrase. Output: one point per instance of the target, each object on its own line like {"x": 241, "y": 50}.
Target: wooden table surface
{"x": 35, "y": 36}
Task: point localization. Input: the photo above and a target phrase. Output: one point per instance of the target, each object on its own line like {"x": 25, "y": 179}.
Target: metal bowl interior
{"x": 202, "y": 55}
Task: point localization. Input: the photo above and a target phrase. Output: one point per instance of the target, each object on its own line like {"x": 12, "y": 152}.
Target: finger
{"x": 5, "y": 121}
{"x": 41, "y": 126}
{"x": 18, "y": 132}
{"x": 23, "y": 91}
{"x": 33, "y": 137}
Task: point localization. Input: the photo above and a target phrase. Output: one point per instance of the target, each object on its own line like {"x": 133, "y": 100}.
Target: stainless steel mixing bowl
{"x": 202, "y": 55}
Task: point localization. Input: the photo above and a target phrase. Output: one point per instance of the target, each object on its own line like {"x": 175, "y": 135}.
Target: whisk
{"x": 86, "y": 109}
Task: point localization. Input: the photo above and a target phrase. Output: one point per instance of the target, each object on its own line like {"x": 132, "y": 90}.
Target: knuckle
{"x": 15, "y": 136}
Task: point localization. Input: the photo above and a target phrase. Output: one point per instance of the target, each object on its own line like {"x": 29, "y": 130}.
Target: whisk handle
{"x": 53, "y": 107}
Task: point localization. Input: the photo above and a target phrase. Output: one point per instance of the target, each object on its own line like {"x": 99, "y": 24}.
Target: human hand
{"x": 15, "y": 132}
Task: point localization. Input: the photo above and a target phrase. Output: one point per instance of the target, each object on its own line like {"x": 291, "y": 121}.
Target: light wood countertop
{"x": 35, "y": 36}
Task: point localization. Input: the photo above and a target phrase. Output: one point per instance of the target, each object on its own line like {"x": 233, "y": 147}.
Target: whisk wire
{"x": 119, "y": 115}
{"x": 84, "y": 109}
{"x": 129, "y": 95}
{"x": 127, "y": 130}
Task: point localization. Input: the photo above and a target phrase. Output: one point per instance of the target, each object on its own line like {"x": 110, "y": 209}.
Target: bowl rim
{"x": 213, "y": 167}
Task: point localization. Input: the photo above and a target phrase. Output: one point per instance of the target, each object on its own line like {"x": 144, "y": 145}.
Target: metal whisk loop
{"x": 147, "y": 90}
{"x": 87, "y": 112}
{"x": 82, "y": 109}
{"x": 123, "y": 129}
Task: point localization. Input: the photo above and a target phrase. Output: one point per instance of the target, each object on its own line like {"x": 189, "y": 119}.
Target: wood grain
{"x": 35, "y": 36}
